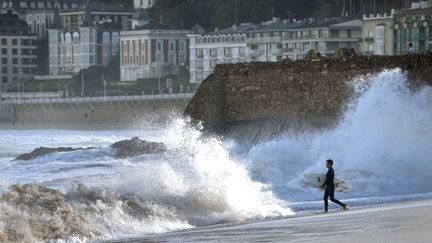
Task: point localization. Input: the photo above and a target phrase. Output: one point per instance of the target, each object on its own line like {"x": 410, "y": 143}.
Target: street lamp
{"x": 159, "y": 79}
{"x": 82, "y": 84}
{"x": 104, "y": 84}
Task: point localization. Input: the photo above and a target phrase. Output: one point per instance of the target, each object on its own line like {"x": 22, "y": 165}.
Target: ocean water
{"x": 382, "y": 147}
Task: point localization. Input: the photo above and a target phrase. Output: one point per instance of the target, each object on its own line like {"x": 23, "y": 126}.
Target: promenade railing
{"x": 98, "y": 99}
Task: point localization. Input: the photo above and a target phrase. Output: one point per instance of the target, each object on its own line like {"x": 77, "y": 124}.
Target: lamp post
{"x": 159, "y": 79}
{"x": 104, "y": 84}
{"x": 82, "y": 84}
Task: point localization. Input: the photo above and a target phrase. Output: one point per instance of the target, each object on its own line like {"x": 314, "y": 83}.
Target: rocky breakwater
{"x": 256, "y": 100}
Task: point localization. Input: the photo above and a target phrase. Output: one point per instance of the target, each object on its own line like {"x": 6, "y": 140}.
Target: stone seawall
{"x": 96, "y": 115}
{"x": 303, "y": 93}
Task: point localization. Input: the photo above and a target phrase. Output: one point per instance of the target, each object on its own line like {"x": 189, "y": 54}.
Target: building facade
{"x": 144, "y": 3}
{"x": 325, "y": 38}
{"x": 17, "y": 49}
{"x": 221, "y": 46}
{"x": 239, "y": 43}
{"x": 94, "y": 44}
{"x": 413, "y": 26}
{"x": 265, "y": 40}
{"x": 39, "y": 14}
{"x": 73, "y": 18}
{"x": 378, "y": 34}
{"x": 151, "y": 51}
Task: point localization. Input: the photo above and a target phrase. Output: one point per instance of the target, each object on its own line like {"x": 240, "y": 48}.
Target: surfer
{"x": 329, "y": 187}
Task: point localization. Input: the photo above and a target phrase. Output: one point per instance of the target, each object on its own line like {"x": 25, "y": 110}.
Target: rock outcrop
{"x": 123, "y": 149}
{"x": 312, "y": 93}
{"x": 44, "y": 151}
{"x": 136, "y": 146}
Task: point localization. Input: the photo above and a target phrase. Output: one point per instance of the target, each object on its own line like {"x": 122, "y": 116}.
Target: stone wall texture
{"x": 305, "y": 93}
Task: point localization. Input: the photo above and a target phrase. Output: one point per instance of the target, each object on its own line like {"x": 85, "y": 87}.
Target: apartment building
{"x": 238, "y": 43}
{"x": 73, "y": 18}
{"x": 17, "y": 48}
{"x": 38, "y": 14}
{"x": 152, "y": 50}
{"x": 413, "y": 26}
{"x": 93, "y": 44}
{"x": 378, "y": 34}
{"x": 324, "y": 37}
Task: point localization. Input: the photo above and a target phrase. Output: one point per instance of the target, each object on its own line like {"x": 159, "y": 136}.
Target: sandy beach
{"x": 400, "y": 222}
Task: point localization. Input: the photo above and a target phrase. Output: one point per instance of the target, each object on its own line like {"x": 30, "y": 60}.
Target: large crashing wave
{"x": 195, "y": 183}
{"x": 382, "y": 146}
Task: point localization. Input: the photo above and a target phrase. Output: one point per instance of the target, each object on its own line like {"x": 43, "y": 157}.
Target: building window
{"x": 4, "y": 51}
{"x": 14, "y": 60}
{"x": 4, "y": 80}
{"x": 171, "y": 46}
{"x": 159, "y": 46}
{"x": 4, "y": 42}
{"x": 4, "y": 60}
{"x": 14, "y": 51}
{"x": 14, "y": 70}
{"x": 14, "y": 42}
{"x": 4, "y": 70}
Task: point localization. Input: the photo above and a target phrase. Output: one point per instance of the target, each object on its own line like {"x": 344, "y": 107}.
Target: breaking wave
{"x": 382, "y": 146}
{"x": 197, "y": 182}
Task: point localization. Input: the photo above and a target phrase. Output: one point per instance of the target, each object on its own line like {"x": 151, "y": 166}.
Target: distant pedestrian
{"x": 411, "y": 49}
{"x": 329, "y": 187}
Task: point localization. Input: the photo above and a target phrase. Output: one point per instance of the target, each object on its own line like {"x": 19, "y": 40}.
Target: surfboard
{"x": 317, "y": 179}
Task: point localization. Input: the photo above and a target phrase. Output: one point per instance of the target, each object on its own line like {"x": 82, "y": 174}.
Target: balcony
{"x": 257, "y": 40}
{"x": 277, "y": 52}
{"x": 257, "y": 53}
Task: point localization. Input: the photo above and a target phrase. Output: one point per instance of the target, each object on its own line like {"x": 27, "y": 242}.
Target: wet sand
{"x": 399, "y": 222}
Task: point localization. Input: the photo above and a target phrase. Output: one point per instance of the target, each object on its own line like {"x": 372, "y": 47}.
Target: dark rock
{"x": 313, "y": 55}
{"x": 345, "y": 52}
{"x": 136, "y": 146}
{"x": 44, "y": 151}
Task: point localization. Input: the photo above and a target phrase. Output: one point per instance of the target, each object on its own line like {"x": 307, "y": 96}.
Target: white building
{"x": 239, "y": 43}
{"x": 17, "y": 49}
{"x": 221, "y": 46}
{"x": 325, "y": 38}
{"x": 144, "y": 3}
{"x": 93, "y": 44}
{"x": 151, "y": 51}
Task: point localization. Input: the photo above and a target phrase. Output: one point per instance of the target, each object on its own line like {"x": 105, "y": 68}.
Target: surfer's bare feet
{"x": 346, "y": 207}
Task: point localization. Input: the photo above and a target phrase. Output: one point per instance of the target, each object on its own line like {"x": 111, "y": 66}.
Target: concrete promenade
{"x": 103, "y": 111}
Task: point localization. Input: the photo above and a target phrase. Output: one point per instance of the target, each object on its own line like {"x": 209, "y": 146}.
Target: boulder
{"x": 313, "y": 55}
{"x": 136, "y": 146}
{"x": 345, "y": 52}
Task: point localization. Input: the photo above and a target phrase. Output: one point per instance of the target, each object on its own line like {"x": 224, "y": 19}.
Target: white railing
{"x": 273, "y": 39}
{"x": 99, "y": 99}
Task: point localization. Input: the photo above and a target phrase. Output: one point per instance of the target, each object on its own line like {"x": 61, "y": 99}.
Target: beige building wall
{"x": 378, "y": 35}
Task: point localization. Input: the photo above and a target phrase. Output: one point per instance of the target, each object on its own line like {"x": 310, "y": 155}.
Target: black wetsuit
{"x": 330, "y": 188}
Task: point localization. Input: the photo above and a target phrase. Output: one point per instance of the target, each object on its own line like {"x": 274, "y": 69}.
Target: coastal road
{"x": 399, "y": 222}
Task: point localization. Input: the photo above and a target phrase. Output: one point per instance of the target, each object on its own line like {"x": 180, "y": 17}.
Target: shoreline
{"x": 406, "y": 221}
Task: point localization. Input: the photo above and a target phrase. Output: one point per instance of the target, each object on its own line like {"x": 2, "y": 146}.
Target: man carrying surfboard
{"x": 329, "y": 187}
